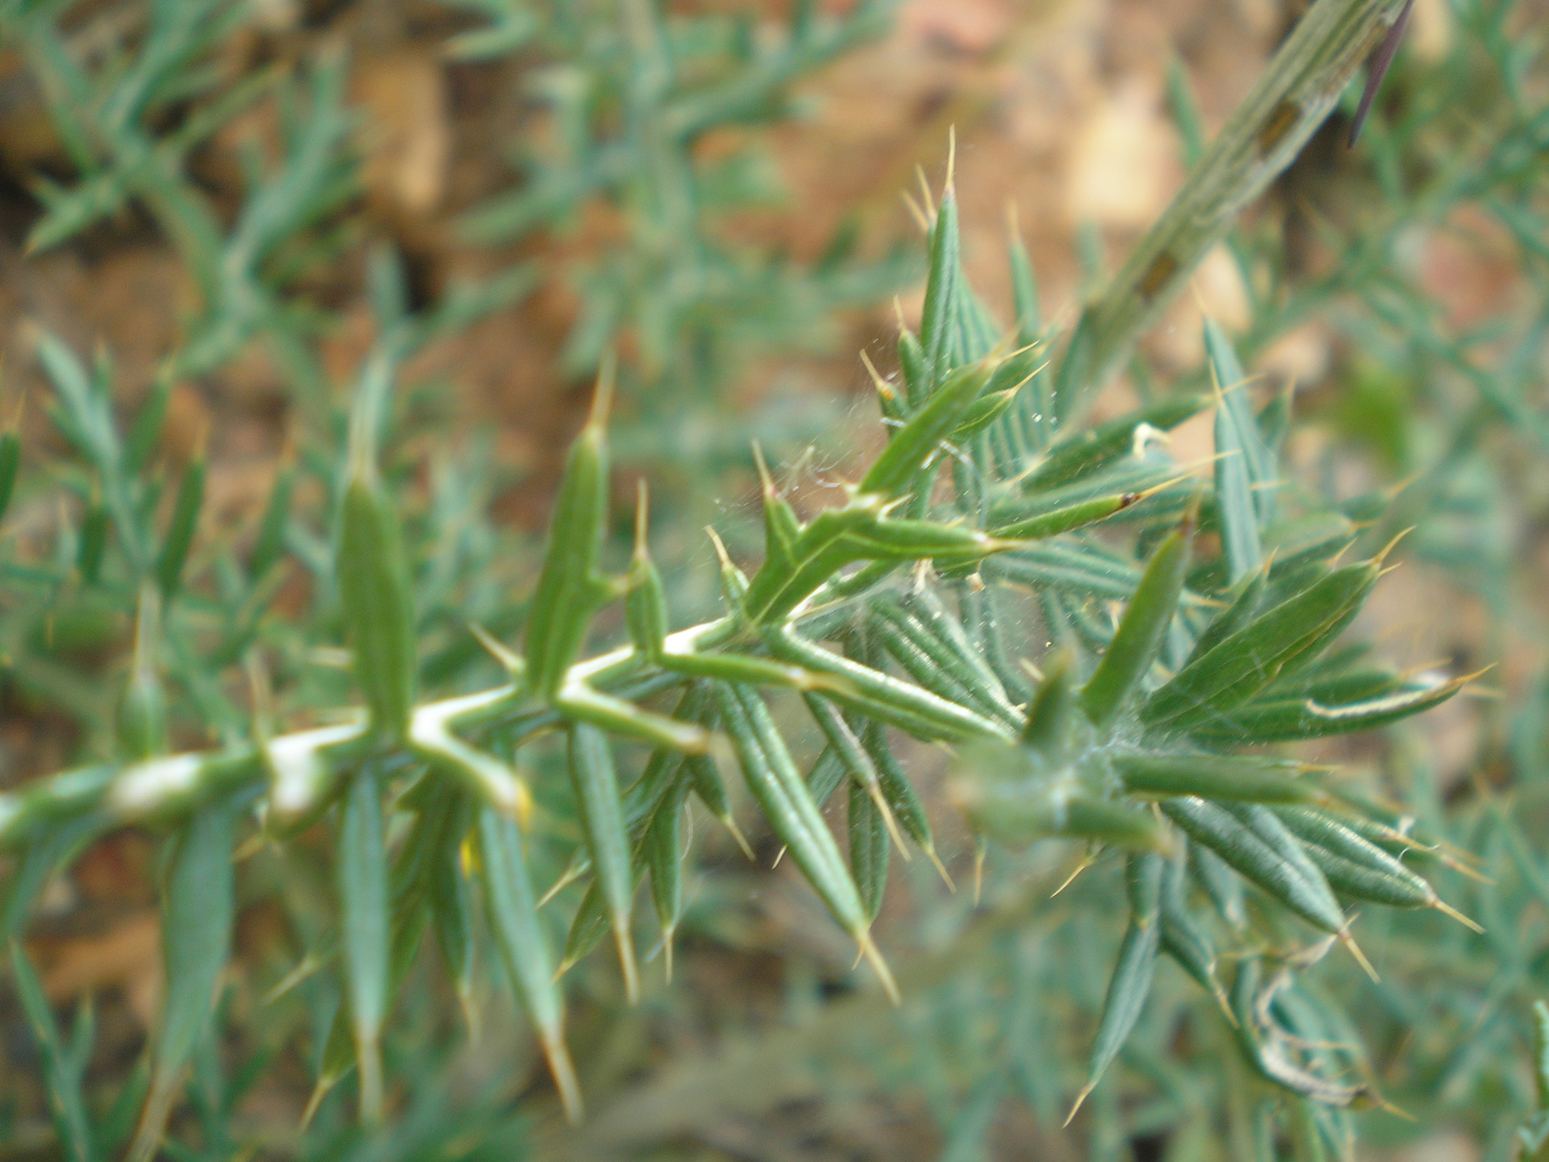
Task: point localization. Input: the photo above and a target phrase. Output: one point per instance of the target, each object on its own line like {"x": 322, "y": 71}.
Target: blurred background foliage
{"x": 218, "y": 219}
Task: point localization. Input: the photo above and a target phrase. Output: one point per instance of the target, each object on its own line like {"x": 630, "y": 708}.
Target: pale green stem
{"x": 1294, "y": 96}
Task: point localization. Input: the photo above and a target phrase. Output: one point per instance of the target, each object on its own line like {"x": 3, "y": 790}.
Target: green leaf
{"x": 1248, "y": 660}
{"x": 570, "y": 588}
{"x": 1217, "y": 880}
{"x": 1311, "y": 713}
{"x": 1024, "y": 289}
{"x": 1087, "y": 449}
{"x": 787, "y": 804}
{"x": 663, "y": 853}
{"x": 377, "y": 599}
{"x": 942, "y": 290}
{"x": 452, "y": 907}
{"x": 1353, "y": 865}
{"x": 868, "y": 842}
{"x": 10, "y": 464}
{"x": 1138, "y": 640}
{"x": 1184, "y": 938}
{"x": 595, "y": 782}
{"x": 1072, "y": 566}
{"x": 93, "y": 541}
{"x": 1051, "y": 720}
{"x": 519, "y": 936}
{"x": 1243, "y": 607}
{"x": 364, "y": 913}
{"x": 899, "y": 797}
{"x": 1257, "y": 458}
{"x": 1245, "y": 467}
{"x": 919, "y": 380}
{"x": 646, "y": 602}
{"x": 1053, "y": 522}
{"x": 1236, "y": 778}
{"x": 67, "y": 1105}
{"x": 1133, "y": 970}
{"x": 1274, "y": 862}
{"x": 894, "y": 471}
{"x": 180, "y": 528}
{"x": 936, "y": 664}
{"x": 196, "y": 939}
{"x": 874, "y": 694}
{"x": 269, "y": 543}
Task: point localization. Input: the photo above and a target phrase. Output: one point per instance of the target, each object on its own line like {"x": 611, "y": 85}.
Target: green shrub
{"x": 1107, "y": 650}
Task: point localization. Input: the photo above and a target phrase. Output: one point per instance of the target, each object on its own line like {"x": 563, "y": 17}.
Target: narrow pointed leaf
{"x": 519, "y": 937}
{"x": 1130, "y": 984}
{"x": 895, "y": 468}
{"x": 269, "y": 543}
{"x": 1082, "y": 452}
{"x": 662, "y": 849}
{"x": 377, "y": 598}
{"x": 10, "y": 464}
{"x": 1309, "y": 716}
{"x": 66, "y": 1103}
{"x": 1238, "y": 778}
{"x": 1138, "y": 639}
{"x": 595, "y": 781}
{"x": 1353, "y": 865}
{"x": 868, "y": 842}
{"x": 1281, "y": 871}
{"x": 874, "y": 694}
{"x": 366, "y": 924}
{"x": 180, "y": 529}
{"x": 1248, "y": 660}
{"x": 569, "y": 587}
{"x": 196, "y": 939}
{"x": 787, "y": 803}
{"x": 942, "y": 289}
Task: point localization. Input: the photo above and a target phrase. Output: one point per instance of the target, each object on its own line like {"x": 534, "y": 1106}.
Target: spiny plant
{"x": 1203, "y": 662}
{"x": 906, "y": 610}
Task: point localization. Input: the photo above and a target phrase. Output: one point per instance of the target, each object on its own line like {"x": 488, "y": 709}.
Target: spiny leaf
{"x": 1279, "y": 867}
{"x": 771, "y": 776}
{"x": 662, "y": 848}
{"x": 1312, "y": 714}
{"x": 894, "y": 470}
{"x": 1090, "y": 448}
{"x": 1248, "y": 660}
{"x": 196, "y": 938}
{"x": 10, "y": 464}
{"x": 868, "y": 841}
{"x": 377, "y": 596}
{"x": 365, "y": 919}
{"x": 595, "y": 782}
{"x": 67, "y": 1105}
{"x": 1236, "y": 778}
{"x": 519, "y": 936}
{"x": 180, "y": 528}
{"x": 1133, "y": 969}
{"x": 1138, "y": 639}
{"x": 941, "y": 293}
{"x": 646, "y": 604}
{"x": 570, "y": 587}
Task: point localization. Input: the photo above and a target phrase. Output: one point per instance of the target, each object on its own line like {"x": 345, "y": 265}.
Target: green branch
{"x": 1265, "y": 134}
